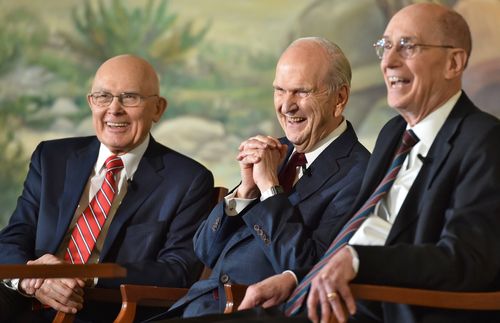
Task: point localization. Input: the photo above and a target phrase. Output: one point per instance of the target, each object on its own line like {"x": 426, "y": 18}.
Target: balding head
{"x": 124, "y": 68}
{"x": 446, "y": 25}
{"x": 121, "y": 127}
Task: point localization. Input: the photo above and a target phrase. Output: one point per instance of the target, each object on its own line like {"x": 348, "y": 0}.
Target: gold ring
{"x": 331, "y": 296}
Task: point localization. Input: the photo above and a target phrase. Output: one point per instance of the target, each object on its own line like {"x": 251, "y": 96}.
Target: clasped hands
{"x": 259, "y": 158}
{"x": 329, "y": 290}
{"x": 61, "y": 294}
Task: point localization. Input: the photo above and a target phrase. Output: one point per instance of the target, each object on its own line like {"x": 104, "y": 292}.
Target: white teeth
{"x": 116, "y": 124}
{"x": 396, "y": 81}
{"x": 296, "y": 119}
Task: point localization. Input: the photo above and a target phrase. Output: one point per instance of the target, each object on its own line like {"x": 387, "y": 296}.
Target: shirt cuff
{"x": 234, "y": 205}
{"x": 293, "y": 275}
{"x": 14, "y": 285}
{"x": 355, "y": 259}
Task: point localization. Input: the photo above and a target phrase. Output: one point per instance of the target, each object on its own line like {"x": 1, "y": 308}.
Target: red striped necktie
{"x": 296, "y": 300}
{"x": 89, "y": 224}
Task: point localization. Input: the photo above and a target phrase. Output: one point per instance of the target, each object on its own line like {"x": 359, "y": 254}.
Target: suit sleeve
{"x": 214, "y": 234}
{"x": 464, "y": 256}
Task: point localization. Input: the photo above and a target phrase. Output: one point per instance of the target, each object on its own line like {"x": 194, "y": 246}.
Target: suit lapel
{"x": 325, "y": 166}
{"x": 78, "y": 169}
{"x": 145, "y": 180}
{"x": 437, "y": 155}
{"x": 378, "y": 165}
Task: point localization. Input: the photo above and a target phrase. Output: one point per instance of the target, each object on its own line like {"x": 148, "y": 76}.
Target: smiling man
{"x": 117, "y": 197}
{"x": 280, "y": 217}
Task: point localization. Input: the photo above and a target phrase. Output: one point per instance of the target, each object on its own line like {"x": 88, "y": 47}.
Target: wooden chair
{"x": 130, "y": 296}
{"x": 480, "y": 301}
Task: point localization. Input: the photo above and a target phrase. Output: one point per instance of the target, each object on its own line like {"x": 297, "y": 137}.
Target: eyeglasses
{"x": 131, "y": 100}
{"x": 406, "y": 48}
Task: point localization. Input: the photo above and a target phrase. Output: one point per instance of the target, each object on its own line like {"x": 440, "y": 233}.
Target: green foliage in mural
{"x": 151, "y": 32}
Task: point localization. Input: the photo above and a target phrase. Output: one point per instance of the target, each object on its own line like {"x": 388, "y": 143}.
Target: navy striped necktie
{"x": 296, "y": 300}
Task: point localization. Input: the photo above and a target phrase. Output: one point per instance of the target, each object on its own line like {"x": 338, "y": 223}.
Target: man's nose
{"x": 115, "y": 106}
{"x": 289, "y": 103}
{"x": 391, "y": 58}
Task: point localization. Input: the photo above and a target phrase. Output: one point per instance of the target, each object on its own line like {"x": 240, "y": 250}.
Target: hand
{"x": 269, "y": 292}
{"x": 334, "y": 277}
{"x": 30, "y": 285}
{"x": 61, "y": 294}
{"x": 259, "y": 159}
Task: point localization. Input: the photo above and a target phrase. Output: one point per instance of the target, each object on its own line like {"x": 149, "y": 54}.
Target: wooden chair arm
{"x": 400, "y": 295}
{"x": 132, "y": 295}
{"x": 106, "y": 270}
{"x": 234, "y": 296}
{"x": 428, "y": 298}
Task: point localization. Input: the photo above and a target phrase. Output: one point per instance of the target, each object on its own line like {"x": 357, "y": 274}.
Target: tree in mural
{"x": 103, "y": 31}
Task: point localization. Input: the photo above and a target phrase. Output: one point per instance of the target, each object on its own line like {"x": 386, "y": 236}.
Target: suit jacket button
{"x": 224, "y": 278}
{"x": 256, "y": 227}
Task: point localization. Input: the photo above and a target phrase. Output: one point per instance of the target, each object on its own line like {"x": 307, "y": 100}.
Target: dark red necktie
{"x": 89, "y": 224}
{"x": 296, "y": 300}
{"x": 288, "y": 175}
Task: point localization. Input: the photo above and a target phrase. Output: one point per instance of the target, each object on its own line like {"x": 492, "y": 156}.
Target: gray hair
{"x": 339, "y": 69}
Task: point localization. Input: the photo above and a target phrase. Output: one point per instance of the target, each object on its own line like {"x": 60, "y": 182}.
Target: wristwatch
{"x": 273, "y": 190}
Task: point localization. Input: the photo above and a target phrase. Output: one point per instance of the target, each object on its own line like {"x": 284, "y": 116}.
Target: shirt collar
{"x": 428, "y": 128}
{"x": 130, "y": 159}
{"x": 323, "y": 143}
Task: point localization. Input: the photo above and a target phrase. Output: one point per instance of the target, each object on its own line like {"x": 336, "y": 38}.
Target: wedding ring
{"x": 331, "y": 296}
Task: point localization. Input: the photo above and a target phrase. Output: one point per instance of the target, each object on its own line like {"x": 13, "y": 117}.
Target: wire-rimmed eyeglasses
{"x": 131, "y": 100}
{"x": 405, "y": 47}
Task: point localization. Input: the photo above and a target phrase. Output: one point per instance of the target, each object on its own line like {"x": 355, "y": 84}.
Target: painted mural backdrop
{"x": 216, "y": 62}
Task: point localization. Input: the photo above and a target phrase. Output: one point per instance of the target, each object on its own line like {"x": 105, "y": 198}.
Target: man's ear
{"x": 161, "y": 107}
{"x": 455, "y": 66}
{"x": 341, "y": 102}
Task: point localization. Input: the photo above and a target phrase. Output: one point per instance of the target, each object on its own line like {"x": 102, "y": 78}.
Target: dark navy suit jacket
{"x": 281, "y": 233}
{"x": 447, "y": 233}
{"x": 151, "y": 233}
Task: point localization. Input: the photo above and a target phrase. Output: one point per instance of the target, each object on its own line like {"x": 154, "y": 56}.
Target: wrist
{"x": 246, "y": 193}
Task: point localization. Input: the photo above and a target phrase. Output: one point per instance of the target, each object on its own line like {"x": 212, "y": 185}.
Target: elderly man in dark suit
{"x": 280, "y": 216}
{"x": 430, "y": 216}
{"x": 119, "y": 196}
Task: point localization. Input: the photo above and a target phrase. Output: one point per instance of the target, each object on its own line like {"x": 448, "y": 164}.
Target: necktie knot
{"x": 409, "y": 140}
{"x": 288, "y": 175}
{"x": 113, "y": 164}
{"x": 298, "y": 159}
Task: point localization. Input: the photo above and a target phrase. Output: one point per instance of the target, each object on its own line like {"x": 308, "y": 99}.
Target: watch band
{"x": 273, "y": 190}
